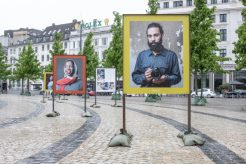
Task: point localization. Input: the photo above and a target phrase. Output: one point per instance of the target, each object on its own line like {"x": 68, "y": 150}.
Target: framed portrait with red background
{"x": 69, "y": 74}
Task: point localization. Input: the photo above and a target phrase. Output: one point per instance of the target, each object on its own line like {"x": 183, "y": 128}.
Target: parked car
{"x": 118, "y": 92}
{"x": 241, "y": 92}
{"x": 206, "y": 92}
{"x": 91, "y": 93}
{"x": 236, "y": 93}
{"x": 230, "y": 94}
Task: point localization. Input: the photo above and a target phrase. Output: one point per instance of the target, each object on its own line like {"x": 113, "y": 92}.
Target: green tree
{"x": 240, "y": 45}
{"x": 92, "y": 60}
{"x": 20, "y": 69}
{"x": 114, "y": 53}
{"x": 4, "y": 72}
{"x": 32, "y": 65}
{"x": 153, "y": 7}
{"x": 203, "y": 42}
{"x": 57, "y": 49}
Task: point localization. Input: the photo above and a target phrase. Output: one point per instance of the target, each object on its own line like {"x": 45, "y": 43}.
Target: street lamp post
{"x": 86, "y": 114}
{"x": 80, "y": 35}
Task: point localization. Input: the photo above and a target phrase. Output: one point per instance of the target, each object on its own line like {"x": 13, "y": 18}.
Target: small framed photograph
{"x": 48, "y": 81}
{"x": 105, "y": 80}
{"x": 156, "y": 54}
{"x": 69, "y": 74}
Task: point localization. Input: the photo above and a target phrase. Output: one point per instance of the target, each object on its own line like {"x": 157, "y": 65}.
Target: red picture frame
{"x": 78, "y": 86}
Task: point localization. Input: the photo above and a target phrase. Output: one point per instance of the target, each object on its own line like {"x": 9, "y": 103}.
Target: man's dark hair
{"x": 154, "y": 24}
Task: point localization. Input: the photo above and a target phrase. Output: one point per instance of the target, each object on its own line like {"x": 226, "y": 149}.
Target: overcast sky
{"x": 15, "y": 14}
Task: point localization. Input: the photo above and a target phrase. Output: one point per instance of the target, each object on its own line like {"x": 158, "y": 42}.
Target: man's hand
{"x": 147, "y": 74}
{"x": 162, "y": 79}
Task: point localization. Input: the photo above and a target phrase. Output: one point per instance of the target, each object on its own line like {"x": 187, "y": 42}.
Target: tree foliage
{"x": 4, "y": 72}
{"x": 20, "y": 68}
{"x": 153, "y": 7}
{"x": 114, "y": 53}
{"x": 28, "y": 66}
{"x": 240, "y": 45}
{"x": 92, "y": 60}
{"x": 32, "y": 65}
{"x": 204, "y": 40}
{"x": 57, "y": 49}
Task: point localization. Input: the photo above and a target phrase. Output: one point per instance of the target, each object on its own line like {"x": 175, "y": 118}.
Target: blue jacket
{"x": 166, "y": 61}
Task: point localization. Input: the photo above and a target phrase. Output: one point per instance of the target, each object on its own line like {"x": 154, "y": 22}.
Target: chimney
{"x": 53, "y": 24}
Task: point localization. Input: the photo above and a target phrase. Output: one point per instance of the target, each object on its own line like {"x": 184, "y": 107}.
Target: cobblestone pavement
{"x": 71, "y": 138}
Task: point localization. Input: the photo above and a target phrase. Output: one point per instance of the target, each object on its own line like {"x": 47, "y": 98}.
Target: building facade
{"x": 73, "y": 40}
{"x": 227, "y": 18}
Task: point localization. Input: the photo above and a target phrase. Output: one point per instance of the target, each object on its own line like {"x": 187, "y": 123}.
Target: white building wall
{"x": 4, "y": 41}
{"x": 233, "y": 11}
{"x": 99, "y": 33}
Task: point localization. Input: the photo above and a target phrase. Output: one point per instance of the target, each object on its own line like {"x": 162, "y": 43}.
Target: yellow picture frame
{"x": 46, "y": 77}
{"x": 134, "y": 37}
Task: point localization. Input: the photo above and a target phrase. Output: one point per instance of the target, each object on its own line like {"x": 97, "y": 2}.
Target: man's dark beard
{"x": 156, "y": 46}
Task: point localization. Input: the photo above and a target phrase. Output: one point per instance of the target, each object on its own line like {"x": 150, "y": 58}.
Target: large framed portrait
{"x": 69, "y": 74}
{"x": 48, "y": 81}
{"x": 105, "y": 80}
{"x": 156, "y": 54}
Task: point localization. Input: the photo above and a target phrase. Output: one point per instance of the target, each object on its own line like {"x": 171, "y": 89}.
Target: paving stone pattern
{"x": 71, "y": 138}
{"x": 26, "y": 139}
{"x": 213, "y": 149}
{"x": 65, "y": 146}
{"x": 9, "y": 122}
{"x": 3, "y": 104}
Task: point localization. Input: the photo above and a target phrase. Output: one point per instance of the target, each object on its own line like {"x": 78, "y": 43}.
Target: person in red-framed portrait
{"x": 70, "y": 80}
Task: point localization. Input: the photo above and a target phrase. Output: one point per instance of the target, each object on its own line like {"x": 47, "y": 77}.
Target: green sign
{"x": 95, "y": 23}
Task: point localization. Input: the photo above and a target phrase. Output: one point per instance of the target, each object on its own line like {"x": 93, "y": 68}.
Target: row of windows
{"x": 223, "y": 18}
{"x": 223, "y": 34}
{"x": 48, "y": 46}
{"x": 104, "y": 41}
{"x": 65, "y": 45}
{"x": 223, "y": 52}
{"x": 42, "y": 48}
{"x": 96, "y": 43}
{"x": 13, "y": 60}
{"x": 12, "y": 70}
{"x": 216, "y": 2}
{"x": 13, "y": 51}
{"x": 47, "y": 58}
{"x": 188, "y": 3}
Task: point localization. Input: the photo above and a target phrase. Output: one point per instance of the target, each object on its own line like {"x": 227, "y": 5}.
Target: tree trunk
{"x": 203, "y": 82}
{"x": 22, "y": 85}
{"x": 27, "y": 85}
{"x": 195, "y": 77}
{"x": 1, "y": 85}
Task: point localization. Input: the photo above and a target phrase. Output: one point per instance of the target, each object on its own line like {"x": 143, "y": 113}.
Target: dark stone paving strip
{"x": 213, "y": 149}
{"x": 224, "y": 117}
{"x": 9, "y": 122}
{"x": 67, "y": 145}
{"x": 203, "y": 113}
